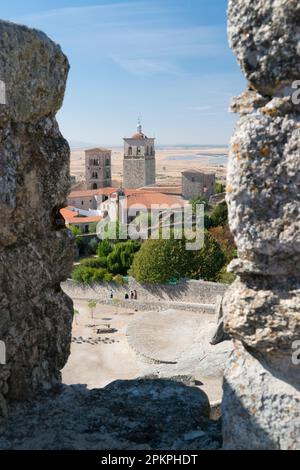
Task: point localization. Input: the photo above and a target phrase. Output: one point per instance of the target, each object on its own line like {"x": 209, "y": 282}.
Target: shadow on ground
{"x": 136, "y": 414}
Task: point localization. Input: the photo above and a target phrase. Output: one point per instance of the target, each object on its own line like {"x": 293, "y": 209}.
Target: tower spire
{"x": 139, "y": 126}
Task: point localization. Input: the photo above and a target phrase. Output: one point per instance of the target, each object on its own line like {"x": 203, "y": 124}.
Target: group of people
{"x": 132, "y": 296}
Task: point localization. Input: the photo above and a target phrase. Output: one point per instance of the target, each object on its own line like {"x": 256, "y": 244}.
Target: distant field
{"x": 170, "y": 162}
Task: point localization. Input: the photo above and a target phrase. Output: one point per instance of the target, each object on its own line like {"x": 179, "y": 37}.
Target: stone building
{"x": 195, "y": 183}
{"x": 97, "y": 168}
{"x": 139, "y": 160}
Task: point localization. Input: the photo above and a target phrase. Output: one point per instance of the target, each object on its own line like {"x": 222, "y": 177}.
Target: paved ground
{"x": 163, "y": 344}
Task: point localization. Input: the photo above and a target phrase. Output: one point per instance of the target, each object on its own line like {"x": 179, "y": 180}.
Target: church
{"x": 139, "y": 168}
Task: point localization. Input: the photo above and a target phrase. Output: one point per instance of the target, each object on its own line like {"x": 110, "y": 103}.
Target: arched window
{"x": 138, "y": 151}
{"x": 95, "y": 186}
{"x": 130, "y": 151}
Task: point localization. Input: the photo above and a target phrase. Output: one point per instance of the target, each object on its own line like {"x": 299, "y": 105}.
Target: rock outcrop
{"x": 145, "y": 414}
{"x": 261, "y": 406}
{"x": 36, "y": 251}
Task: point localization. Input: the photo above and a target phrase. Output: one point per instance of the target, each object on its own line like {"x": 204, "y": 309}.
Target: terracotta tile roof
{"x": 71, "y": 216}
{"x": 148, "y": 199}
{"x": 91, "y": 192}
{"x": 139, "y": 136}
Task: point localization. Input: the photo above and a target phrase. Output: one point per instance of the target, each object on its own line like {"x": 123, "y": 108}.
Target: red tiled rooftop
{"x": 72, "y": 216}
{"x": 91, "y": 192}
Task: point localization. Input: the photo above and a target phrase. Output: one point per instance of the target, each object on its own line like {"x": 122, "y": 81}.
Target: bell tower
{"x": 139, "y": 167}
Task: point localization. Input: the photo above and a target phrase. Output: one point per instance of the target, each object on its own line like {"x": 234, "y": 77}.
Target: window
{"x": 138, "y": 151}
{"x": 130, "y": 151}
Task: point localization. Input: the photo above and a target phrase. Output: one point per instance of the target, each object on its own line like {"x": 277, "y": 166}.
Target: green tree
{"x": 92, "y": 304}
{"x": 219, "y": 215}
{"x": 220, "y": 188}
{"x": 94, "y": 262}
{"x": 88, "y": 275}
{"x": 104, "y": 248}
{"x": 120, "y": 259}
{"x": 158, "y": 261}
{"x": 209, "y": 260}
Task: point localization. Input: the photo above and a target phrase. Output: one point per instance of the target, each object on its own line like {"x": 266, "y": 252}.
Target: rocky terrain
{"x": 261, "y": 404}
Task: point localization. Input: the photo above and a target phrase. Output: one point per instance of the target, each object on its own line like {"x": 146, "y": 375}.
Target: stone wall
{"x": 195, "y": 292}
{"x": 261, "y": 405}
{"x": 103, "y": 168}
{"x": 36, "y": 252}
{"x": 196, "y": 183}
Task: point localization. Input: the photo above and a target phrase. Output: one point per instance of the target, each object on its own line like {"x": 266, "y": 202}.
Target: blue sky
{"x": 166, "y": 60}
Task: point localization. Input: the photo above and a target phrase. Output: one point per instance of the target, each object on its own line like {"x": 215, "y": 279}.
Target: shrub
{"x": 224, "y": 277}
{"x": 104, "y": 248}
{"x": 219, "y": 215}
{"x": 120, "y": 259}
{"x": 225, "y": 239}
{"x": 209, "y": 260}
{"x": 118, "y": 279}
{"x": 99, "y": 275}
{"x": 88, "y": 275}
{"x": 220, "y": 188}
{"x": 94, "y": 262}
{"x": 108, "y": 277}
{"x": 159, "y": 261}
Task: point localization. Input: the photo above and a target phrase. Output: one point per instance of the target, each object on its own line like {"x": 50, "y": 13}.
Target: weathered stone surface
{"x": 261, "y": 308}
{"x": 264, "y": 314}
{"x": 34, "y": 179}
{"x": 34, "y": 71}
{"x": 265, "y": 38}
{"x": 143, "y": 414}
{"x": 260, "y": 411}
{"x": 264, "y": 193}
{"x": 36, "y": 251}
{"x": 219, "y": 334}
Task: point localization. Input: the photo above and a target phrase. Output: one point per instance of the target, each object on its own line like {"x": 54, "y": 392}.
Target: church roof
{"x": 139, "y": 136}
{"x": 97, "y": 149}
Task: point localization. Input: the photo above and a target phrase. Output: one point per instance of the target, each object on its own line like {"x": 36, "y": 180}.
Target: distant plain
{"x": 170, "y": 162}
